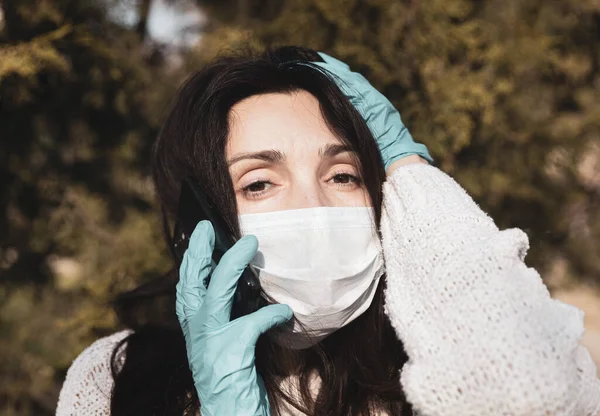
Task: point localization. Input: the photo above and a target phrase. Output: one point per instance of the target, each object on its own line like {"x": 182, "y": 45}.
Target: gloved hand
{"x": 393, "y": 138}
{"x": 221, "y": 352}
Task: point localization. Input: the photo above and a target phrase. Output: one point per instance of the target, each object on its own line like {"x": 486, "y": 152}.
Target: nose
{"x": 308, "y": 195}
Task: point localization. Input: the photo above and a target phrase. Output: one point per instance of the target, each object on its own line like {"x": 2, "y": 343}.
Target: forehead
{"x": 277, "y": 121}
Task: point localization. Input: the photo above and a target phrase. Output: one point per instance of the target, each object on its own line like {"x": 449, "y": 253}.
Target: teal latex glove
{"x": 221, "y": 352}
{"x": 393, "y": 138}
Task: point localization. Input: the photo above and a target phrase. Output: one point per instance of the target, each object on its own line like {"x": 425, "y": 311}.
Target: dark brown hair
{"x": 359, "y": 364}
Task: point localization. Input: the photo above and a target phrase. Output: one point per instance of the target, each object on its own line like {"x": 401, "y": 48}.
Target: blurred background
{"x": 506, "y": 94}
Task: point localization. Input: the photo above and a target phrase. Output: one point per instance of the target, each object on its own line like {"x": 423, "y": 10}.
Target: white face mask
{"x": 325, "y": 263}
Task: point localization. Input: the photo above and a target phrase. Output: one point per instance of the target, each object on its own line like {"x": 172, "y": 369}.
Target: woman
{"x": 294, "y": 150}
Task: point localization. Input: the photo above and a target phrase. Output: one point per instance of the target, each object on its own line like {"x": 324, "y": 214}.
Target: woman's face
{"x": 282, "y": 156}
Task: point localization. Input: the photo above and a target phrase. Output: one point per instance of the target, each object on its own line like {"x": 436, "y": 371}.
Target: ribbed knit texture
{"x": 482, "y": 334}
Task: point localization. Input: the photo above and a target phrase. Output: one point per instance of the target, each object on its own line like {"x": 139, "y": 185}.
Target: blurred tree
{"x": 144, "y": 13}
{"x": 79, "y": 110}
{"x": 504, "y": 92}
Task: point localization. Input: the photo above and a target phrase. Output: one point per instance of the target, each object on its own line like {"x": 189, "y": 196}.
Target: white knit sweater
{"x": 482, "y": 334}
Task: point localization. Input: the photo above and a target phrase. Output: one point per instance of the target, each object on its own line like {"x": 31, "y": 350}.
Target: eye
{"x": 256, "y": 189}
{"x": 346, "y": 179}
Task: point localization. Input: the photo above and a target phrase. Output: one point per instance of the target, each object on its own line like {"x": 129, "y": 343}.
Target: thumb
{"x": 259, "y": 322}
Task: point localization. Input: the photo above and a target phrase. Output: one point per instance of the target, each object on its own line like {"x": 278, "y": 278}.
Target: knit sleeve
{"x": 482, "y": 333}
{"x": 88, "y": 386}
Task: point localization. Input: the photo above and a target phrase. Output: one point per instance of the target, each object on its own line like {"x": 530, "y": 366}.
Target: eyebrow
{"x": 270, "y": 156}
{"x": 332, "y": 150}
{"x": 275, "y": 156}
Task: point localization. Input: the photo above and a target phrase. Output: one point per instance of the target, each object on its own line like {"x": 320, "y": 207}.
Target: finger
{"x": 342, "y": 77}
{"x": 335, "y": 63}
{"x": 194, "y": 269}
{"x": 202, "y": 241}
{"x": 257, "y": 323}
{"x": 200, "y": 249}
{"x": 219, "y": 296}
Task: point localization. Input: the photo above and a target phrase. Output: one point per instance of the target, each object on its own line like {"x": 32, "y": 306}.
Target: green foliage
{"x": 504, "y": 92}
{"x": 78, "y": 117}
